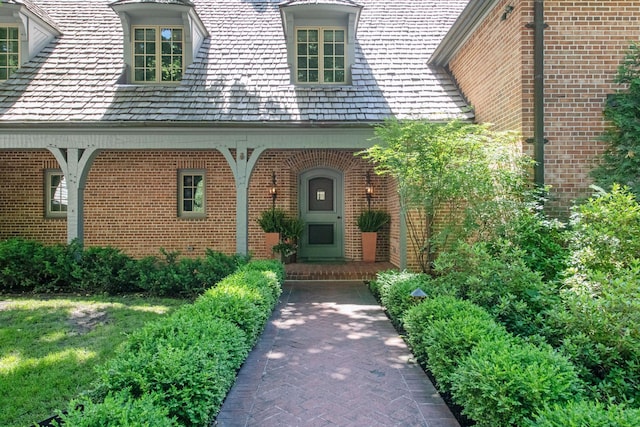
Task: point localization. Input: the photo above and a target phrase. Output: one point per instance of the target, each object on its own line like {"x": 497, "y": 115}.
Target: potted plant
{"x": 369, "y": 222}
{"x": 290, "y": 232}
{"x": 271, "y": 223}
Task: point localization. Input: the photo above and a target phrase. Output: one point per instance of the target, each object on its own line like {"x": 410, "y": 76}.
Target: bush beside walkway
{"x": 178, "y": 370}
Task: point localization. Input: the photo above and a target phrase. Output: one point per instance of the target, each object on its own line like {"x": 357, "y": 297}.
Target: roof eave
{"x": 465, "y": 25}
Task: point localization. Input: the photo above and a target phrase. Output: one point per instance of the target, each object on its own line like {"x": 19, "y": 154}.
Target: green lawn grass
{"x": 49, "y": 347}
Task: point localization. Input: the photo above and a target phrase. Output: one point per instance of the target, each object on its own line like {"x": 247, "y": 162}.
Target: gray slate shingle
{"x": 241, "y": 72}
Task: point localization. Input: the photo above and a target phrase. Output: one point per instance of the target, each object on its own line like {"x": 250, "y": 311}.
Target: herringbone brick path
{"x": 330, "y": 357}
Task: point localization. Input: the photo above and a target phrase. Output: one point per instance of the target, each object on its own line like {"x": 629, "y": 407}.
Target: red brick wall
{"x": 584, "y": 44}
{"x": 288, "y": 165}
{"x": 131, "y": 203}
{"x": 22, "y": 197}
{"x": 131, "y": 199}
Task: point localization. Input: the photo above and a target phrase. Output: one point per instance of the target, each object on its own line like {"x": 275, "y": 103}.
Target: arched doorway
{"x": 321, "y": 208}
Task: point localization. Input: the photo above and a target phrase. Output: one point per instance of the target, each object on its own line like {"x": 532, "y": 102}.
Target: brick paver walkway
{"x": 330, "y": 357}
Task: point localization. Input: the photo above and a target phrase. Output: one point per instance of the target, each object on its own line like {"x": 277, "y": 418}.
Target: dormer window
{"x": 9, "y": 51}
{"x": 161, "y": 38}
{"x": 320, "y": 55}
{"x": 157, "y": 54}
{"x": 25, "y": 29}
{"x": 320, "y": 40}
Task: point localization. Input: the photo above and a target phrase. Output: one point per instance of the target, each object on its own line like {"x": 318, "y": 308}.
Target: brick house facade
{"x": 245, "y": 100}
{"x": 490, "y": 53}
{"x": 241, "y": 95}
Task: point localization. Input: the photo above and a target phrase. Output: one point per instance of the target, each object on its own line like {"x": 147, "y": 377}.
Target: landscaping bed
{"x": 518, "y": 342}
{"x": 172, "y": 370}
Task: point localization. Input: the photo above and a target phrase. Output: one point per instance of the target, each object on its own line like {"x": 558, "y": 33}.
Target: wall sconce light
{"x": 507, "y": 10}
{"x": 273, "y": 190}
{"x": 368, "y": 189}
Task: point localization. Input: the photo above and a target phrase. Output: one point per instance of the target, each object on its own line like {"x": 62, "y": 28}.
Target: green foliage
{"x": 372, "y": 220}
{"x": 187, "y": 366}
{"x": 586, "y": 414}
{"x": 621, "y": 162}
{"x": 188, "y": 362}
{"x": 444, "y": 330}
{"x": 246, "y": 298}
{"x": 540, "y": 241}
{"x": 598, "y": 322}
{"x": 397, "y": 299}
{"x": 385, "y": 280}
{"x": 504, "y": 381}
{"x": 291, "y": 229}
{"x": 499, "y": 282}
{"x": 271, "y": 220}
{"x": 27, "y": 266}
{"x": 272, "y": 270}
{"x": 105, "y": 269}
{"x": 606, "y": 232}
{"x": 117, "y": 410}
{"x": 454, "y": 179}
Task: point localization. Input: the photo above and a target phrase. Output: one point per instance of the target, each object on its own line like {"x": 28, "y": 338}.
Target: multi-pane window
{"x": 191, "y": 193}
{"x": 157, "y": 54}
{"x": 55, "y": 194}
{"x": 320, "y": 55}
{"x": 9, "y": 51}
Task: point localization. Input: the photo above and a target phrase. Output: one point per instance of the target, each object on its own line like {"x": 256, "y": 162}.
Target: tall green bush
{"x": 621, "y": 161}
{"x": 499, "y": 282}
{"x": 455, "y": 179}
{"x": 605, "y": 232}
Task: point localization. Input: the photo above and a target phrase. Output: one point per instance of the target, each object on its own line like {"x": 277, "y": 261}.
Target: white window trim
{"x": 158, "y": 54}
{"x": 48, "y": 199}
{"x": 9, "y": 72}
{"x": 190, "y": 214}
{"x": 320, "y": 56}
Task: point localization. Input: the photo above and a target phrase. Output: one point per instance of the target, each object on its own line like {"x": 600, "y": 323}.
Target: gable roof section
{"x": 240, "y": 75}
{"x": 461, "y": 30}
{"x": 37, "y": 11}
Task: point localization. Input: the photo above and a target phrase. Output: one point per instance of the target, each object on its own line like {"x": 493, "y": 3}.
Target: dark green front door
{"x": 321, "y": 209}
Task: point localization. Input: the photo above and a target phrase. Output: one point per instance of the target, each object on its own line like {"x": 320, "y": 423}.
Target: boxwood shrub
{"x": 444, "y": 330}
{"x": 586, "y": 413}
{"x": 187, "y": 362}
{"x": 30, "y": 266}
{"x": 506, "y": 380}
{"x": 118, "y": 410}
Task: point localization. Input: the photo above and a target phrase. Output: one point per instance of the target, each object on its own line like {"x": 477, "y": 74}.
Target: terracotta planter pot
{"x": 369, "y": 240}
{"x": 270, "y": 240}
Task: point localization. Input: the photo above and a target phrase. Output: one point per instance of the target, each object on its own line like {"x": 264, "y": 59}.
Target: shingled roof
{"x": 240, "y": 74}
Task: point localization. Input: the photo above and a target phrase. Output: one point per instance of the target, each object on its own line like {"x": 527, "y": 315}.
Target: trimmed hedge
{"x": 505, "y": 381}
{"x": 30, "y": 266}
{"x": 588, "y": 414}
{"x": 187, "y": 362}
{"x": 443, "y": 330}
{"x": 498, "y": 378}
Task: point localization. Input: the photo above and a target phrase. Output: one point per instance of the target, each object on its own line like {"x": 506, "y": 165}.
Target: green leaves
{"x": 453, "y": 178}
{"x": 621, "y": 162}
{"x": 187, "y": 362}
